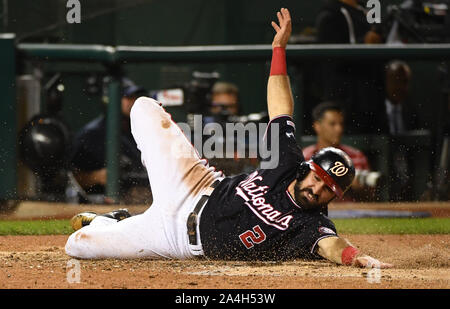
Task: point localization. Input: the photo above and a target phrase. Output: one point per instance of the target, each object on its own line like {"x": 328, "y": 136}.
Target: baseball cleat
{"x": 118, "y": 214}
{"x": 82, "y": 219}
{"x": 85, "y": 218}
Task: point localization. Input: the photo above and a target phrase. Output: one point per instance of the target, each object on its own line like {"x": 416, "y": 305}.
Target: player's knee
{"x": 145, "y": 116}
{"x": 141, "y": 104}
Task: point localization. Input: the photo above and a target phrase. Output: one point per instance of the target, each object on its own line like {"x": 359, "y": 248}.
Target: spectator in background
{"x": 400, "y": 117}
{"x": 328, "y": 124}
{"x": 345, "y": 22}
{"x": 356, "y": 84}
{"x": 225, "y": 99}
{"x": 88, "y": 158}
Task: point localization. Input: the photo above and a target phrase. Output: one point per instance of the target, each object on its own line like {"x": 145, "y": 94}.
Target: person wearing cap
{"x": 88, "y": 155}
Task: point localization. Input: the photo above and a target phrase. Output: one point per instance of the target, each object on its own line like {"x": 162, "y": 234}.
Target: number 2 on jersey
{"x": 250, "y": 238}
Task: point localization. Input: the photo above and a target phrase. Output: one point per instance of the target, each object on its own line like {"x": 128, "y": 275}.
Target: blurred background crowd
{"x": 391, "y": 116}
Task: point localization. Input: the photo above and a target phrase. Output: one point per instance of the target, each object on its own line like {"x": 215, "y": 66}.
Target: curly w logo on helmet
{"x": 339, "y": 169}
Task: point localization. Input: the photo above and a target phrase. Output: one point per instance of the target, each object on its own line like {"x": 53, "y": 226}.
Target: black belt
{"x": 192, "y": 221}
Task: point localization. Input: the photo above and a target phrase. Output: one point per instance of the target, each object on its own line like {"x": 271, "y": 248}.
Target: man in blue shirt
{"x": 88, "y": 158}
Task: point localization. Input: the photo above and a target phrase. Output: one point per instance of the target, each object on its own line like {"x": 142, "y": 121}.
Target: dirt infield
{"x": 422, "y": 261}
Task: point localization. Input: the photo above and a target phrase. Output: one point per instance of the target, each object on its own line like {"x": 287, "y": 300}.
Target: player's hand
{"x": 283, "y": 29}
{"x": 366, "y": 261}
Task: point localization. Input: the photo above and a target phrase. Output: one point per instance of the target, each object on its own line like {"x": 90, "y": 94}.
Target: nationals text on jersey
{"x": 253, "y": 196}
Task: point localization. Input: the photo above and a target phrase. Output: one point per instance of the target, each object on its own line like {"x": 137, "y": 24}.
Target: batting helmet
{"x": 333, "y": 166}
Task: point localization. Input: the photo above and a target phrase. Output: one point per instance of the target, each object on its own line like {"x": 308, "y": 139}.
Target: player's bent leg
{"x": 149, "y": 235}
{"x": 174, "y": 168}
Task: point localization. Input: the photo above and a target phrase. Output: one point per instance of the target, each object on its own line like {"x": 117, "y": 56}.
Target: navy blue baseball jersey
{"x": 254, "y": 217}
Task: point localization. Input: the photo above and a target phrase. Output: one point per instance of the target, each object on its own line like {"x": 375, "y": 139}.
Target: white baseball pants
{"x": 178, "y": 179}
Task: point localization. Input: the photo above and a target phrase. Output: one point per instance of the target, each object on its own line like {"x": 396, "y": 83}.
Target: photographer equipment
{"x": 54, "y": 90}
{"x": 43, "y": 147}
{"x": 419, "y": 21}
{"x": 195, "y": 95}
{"x": 44, "y": 142}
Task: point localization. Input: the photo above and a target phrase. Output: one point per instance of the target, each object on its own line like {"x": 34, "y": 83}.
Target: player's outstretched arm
{"x": 340, "y": 251}
{"x": 279, "y": 94}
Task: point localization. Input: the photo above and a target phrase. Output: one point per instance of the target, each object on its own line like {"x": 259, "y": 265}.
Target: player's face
{"x": 312, "y": 192}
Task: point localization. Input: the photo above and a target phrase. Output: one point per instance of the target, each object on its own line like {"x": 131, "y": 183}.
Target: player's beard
{"x": 303, "y": 200}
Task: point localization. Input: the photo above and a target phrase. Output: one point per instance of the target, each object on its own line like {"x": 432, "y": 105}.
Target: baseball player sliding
{"x": 271, "y": 214}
